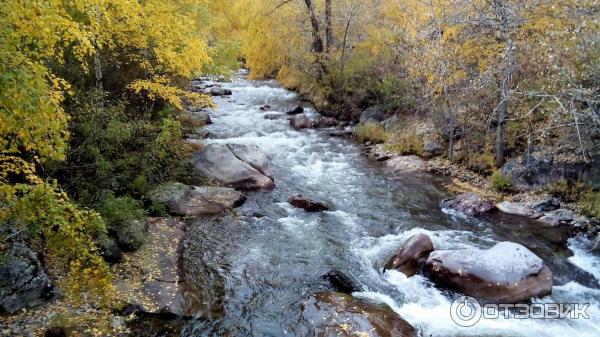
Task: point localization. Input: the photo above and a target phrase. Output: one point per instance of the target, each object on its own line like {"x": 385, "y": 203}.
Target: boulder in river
{"x": 307, "y": 204}
{"x": 299, "y": 122}
{"x": 557, "y": 217}
{"x": 546, "y": 205}
{"x": 514, "y": 208}
{"x": 252, "y": 155}
{"x": 219, "y": 91}
{"x": 339, "y": 315}
{"x": 468, "y": 203}
{"x": 265, "y": 107}
{"x": 184, "y": 200}
{"x": 23, "y": 281}
{"x": 505, "y": 273}
{"x": 296, "y": 111}
{"x": 411, "y": 256}
{"x": 219, "y": 163}
{"x": 274, "y": 116}
{"x": 325, "y": 122}
{"x": 341, "y": 282}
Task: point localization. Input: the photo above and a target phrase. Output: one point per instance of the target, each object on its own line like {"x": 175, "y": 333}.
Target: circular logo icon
{"x": 465, "y": 311}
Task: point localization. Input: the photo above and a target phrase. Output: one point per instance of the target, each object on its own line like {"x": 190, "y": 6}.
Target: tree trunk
{"x": 501, "y": 11}
{"x": 328, "y": 27}
{"x": 316, "y": 32}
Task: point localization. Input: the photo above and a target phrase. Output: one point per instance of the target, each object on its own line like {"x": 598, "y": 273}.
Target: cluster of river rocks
{"x": 506, "y": 273}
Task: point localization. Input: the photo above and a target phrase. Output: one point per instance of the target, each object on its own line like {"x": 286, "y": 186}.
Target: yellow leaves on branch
{"x": 159, "y": 89}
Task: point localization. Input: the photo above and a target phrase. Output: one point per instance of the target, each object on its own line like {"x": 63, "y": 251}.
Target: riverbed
{"x": 250, "y": 270}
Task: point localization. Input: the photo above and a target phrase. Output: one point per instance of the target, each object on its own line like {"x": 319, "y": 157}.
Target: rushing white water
{"x": 267, "y": 264}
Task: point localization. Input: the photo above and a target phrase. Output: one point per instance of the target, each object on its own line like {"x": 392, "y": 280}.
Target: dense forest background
{"x": 94, "y": 93}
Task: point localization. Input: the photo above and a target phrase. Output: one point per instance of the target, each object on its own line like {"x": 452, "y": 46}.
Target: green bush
{"x": 567, "y": 192}
{"x": 405, "y": 143}
{"x": 371, "y": 131}
{"x": 591, "y": 203}
{"x": 117, "y": 148}
{"x": 118, "y": 210}
{"x": 499, "y": 181}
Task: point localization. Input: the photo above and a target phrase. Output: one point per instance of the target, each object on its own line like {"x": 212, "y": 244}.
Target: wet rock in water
{"x": 341, "y": 133}
{"x": 274, "y": 116}
{"x": 219, "y": 163}
{"x": 514, "y": 208}
{"x": 505, "y": 273}
{"x": 130, "y": 235}
{"x": 411, "y": 256}
{"x": 557, "y": 217}
{"x": 339, "y": 315}
{"x": 219, "y": 91}
{"x": 341, "y": 282}
{"x": 468, "y": 203}
{"x": 297, "y": 110}
{"x": 23, "y": 281}
{"x": 300, "y": 122}
{"x": 265, "y": 107}
{"x": 253, "y": 156}
{"x": 432, "y": 150}
{"x": 325, "y": 122}
{"x": 547, "y": 205}
{"x": 372, "y": 114}
{"x": 308, "y": 205}
{"x": 185, "y": 200}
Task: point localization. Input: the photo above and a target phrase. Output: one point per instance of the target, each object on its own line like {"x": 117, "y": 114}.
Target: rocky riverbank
{"x": 534, "y": 203}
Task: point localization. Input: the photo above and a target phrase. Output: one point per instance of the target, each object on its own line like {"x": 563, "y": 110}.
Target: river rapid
{"x": 250, "y": 270}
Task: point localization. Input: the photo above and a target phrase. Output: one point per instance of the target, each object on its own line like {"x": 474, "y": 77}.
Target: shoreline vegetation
{"x": 99, "y": 99}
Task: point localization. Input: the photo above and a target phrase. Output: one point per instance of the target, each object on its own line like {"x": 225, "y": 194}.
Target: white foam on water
{"x": 427, "y": 309}
{"x": 583, "y": 258}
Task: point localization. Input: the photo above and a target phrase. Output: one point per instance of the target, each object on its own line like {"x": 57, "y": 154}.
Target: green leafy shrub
{"x": 371, "y": 131}
{"x": 118, "y": 210}
{"x": 499, "y": 181}
{"x": 567, "y": 192}
{"x": 405, "y": 143}
{"x": 591, "y": 203}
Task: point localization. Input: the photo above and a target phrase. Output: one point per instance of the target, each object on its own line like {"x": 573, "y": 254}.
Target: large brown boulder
{"x": 468, "y": 203}
{"x": 219, "y": 163}
{"x": 505, "y": 273}
{"x": 411, "y": 256}
{"x": 339, "y": 315}
{"x": 184, "y": 200}
{"x": 307, "y": 204}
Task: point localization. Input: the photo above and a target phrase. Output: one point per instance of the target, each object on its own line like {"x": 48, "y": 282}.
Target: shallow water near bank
{"x": 251, "y": 270}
